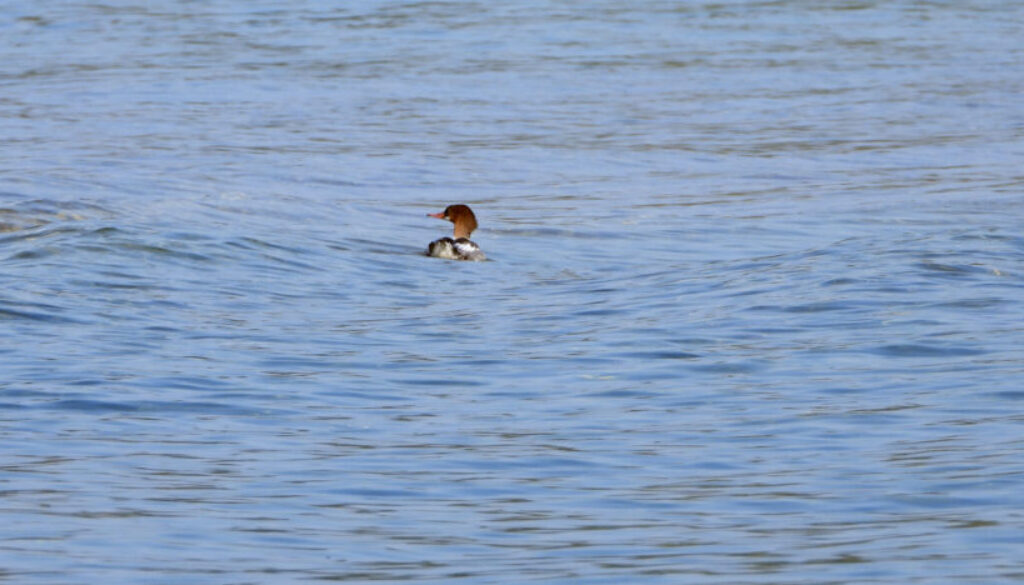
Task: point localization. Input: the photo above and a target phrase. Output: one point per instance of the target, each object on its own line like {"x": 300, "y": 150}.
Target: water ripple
{"x": 752, "y": 311}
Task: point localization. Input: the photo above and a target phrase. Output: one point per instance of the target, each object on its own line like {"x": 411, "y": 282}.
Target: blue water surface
{"x": 754, "y": 309}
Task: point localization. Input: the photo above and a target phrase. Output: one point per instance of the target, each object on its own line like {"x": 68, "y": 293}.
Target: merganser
{"x": 459, "y": 248}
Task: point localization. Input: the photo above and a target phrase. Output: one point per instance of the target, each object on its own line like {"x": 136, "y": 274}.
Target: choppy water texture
{"x": 753, "y": 312}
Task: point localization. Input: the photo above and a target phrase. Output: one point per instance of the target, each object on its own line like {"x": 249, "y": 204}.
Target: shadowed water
{"x": 752, "y": 314}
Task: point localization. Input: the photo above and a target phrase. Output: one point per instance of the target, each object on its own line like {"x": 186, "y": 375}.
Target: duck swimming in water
{"x": 460, "y": 247}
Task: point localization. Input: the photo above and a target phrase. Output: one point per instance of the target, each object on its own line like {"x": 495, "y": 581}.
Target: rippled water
{"x": 753, "y": 312}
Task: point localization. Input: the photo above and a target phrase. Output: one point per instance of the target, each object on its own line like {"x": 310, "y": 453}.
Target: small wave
{"x": 48, "y": 317}
{"x": 152, "y": 406}
{"x": 819, "y": 307}
{"x": 916, "y": 350}
{"x": 659, "y": 355}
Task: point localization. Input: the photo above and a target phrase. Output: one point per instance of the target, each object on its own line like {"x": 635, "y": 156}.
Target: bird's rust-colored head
{"x": 460, "y": 215}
